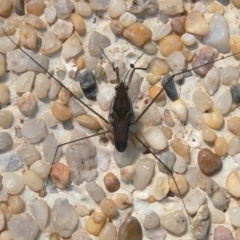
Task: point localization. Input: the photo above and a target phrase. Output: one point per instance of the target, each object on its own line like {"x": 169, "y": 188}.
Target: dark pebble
{"x": 170, "y": 88}
{"x": 88, "y": 85}
{"x": 235, "y": 91}
{"x": 209, "y": 163}
{"x": 178, "y": 25}
{"x": 19, "y": 7}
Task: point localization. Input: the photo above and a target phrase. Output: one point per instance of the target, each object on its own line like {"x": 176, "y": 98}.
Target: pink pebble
{"x": 222, "y": 233}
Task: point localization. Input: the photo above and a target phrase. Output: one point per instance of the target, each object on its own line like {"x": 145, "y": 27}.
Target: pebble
{"x": 83, "y": 211}
{"x": 159, "y": 66}
{"x": 233, "y": 125}
{"x": 143, "y": 173}
{"x": 193, "y": 200}
{"x": 103, "y": 157}
{"x": 53, "y": 89}
{"x": 176, "y": 61}
{"x": 95, "y": 191}
{"x": 105, "y": 96}
{"x": 108, "y": 208}
{"x": 155, "y": 137}
{"x": 80, "y": 63}
{"x": 211, "y": 186}
{"x": 50, "y": 14}
{"x": 150, "y": 48}
{"x": 179, "y": 107}
{"x": 75, "y": 107}
{"x": 34, "y": 21}
{"x": 202, "y": 101}
{"x": 221, "y": 198}
{"x": 32, "y": 180}
{"x": 174, "y": 222}
{"x": 2, "y": 65}
{"x": 6, "y": 8}
{"x": 212, "y": 80}
{"x": 217, "y": 216}
{"x": 12, "y": 183}
{"x": 148, "y": 7}
{"x": 5, "y": 210}
{"x": 4, "y": 94}
{"x": 232, "y": 183}
{"x": 63, "y": 8}
{"x": 6, "y": 142}
{"x": 28, "y": 36}
{"x": 236, "y": 3}
{"x": 122, "y": 201}
{"x": 60, "y": 175}
{"x": 151, "y": 220}
{"x": 40, "y": 211}
{"x": 83, "y": 8}
{"x": 88, "y": 85}
{"x": 160, "y": 186}
{"x": 108, "y": 232}
{"x": 88, "y": 121}
{"x": 178, "y": 25}
{"x": 7, "y": 45}
{"x": 167, "y": 132}
{"x": 161, "y": 31}
{"x": 201, "y": 223}
{"x": 196, "y": 119}
{"x": 167, "y": 6}
{"x": 181, "y": 148}
{"x": 188, "y": 39}
{"x": 215, "y": 7}
{"x": 168, "y": 159}
{"x": 222, "y": 233}
{"x": 192, "y": 176}
{"x": 62, "y": 29}
{"x": 49, "y": 120}
{"x": 27, "y": 104}
{"x": 167, "y": 118}
{"x": 41, "y": 168}
{"x": 130, "y": 229}
{"x": 95, "y": 223}
{"x": 187, "y": 54}
{"x": 111, "y": 182}
{"x": 237, "y": 235}
{"x": 50, "y": 43}
{"x": 170, "y": 44}
{"x": 209, "y": 163}
{"x": 35, "y": 7}
{"x": 138, "y": 34}
{"x": 235, "y": 91}
{"x": 199, "y": 6}
{"x": 214, "y": 120}
{"x": 99, "y": 5}
{"x": 6, "y": 119}
{"x": 234, "y": 145}
{"x": 19, "y": 7}
{"x": 127, "y": 19}
{"x": 17, "y": 224}
{"x": 10, "y": 161}
{"x": 66, "y": 225}
{"x": 33, "y": 130}
{"x": 41, "y": 86}
{"x": 220, "y": 146}
{"x": 60, "y": 111}
{"x": 234, "y": 213}
{"x": 116, "y": 8}
{"x": 127, "y": 172}
{"x": 182, "y": 185}
{"x": 196, "y": 24}
{"x": 24, "y": 82}
{"x": 180, "y": 166}
{"x": 153, "y": 79}
{"x": 203, "y": 55}
{"x": 29, "y": 154}
{"x": 218, "y": 35}
{"x": 116, "y": 27}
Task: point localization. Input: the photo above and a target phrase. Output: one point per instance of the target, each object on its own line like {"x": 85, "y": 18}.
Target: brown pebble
{"x": 111, "y": 182}
{"x": 154, "y": 90}
{"x": 5, "y": 8}
{"x": 60, "y": 111}
{"x": 78, "y": 23}
{"x": 209, "y": 135}
{"x": 95, "y": 223}
{"x": 138, "y": 34}
{"x": 170, "y": 44}
{"x": 60, "y": 175}
{"x": 167, "y": 132}
{"x": 181, "y": 148}
{"x": 130, "y": 229}
{"x": 151, "y": 199}
{"x": 35, "y": 7}
{"x": 63, "y": 96}
{"x": 167, "y": 118}
{"x": 178, "y": 25}
{"x": 236, "y": 3}
{"x": 116, "y": 27}
{"x": 80, "y": 63}
{"x": 16, "y": 203}
{"x": 4, "y": 94}
{"x": 108, "y": 208}
{"x": 234, "y": 43}
{"x": 88, "y": 121}
{"x": 208, "y": 162}
{"x": 28, "y": 36}
{"x": 234, "y": 125}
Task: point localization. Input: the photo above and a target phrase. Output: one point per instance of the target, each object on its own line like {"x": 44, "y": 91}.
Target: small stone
{"x": 235, "y": 91}
{"x": 80, "y": 63}
{"x": 16, "y": 204}
{"x": 12, "y": 183}
{"x": 24, "y": 82}
{"x": 201, "y": 223}
{"x": 202, "y": 56}
{"x": 236, "y": 3}
{"x": 127, "y": 172}
{"x": 75, "y": 107}
{"x": 91, "y": 63}
{"x": 53, "y": 89}
{"x": 222, "y": 233}
{"x": 234, "y": 145}
{"x": 161, "y": 31}
{"x": 192, "y": 176}
{"x": 170, "y": 44}
{"x": 66, "y": 225}
{"x": 29, "y": 154}
{"x": 167, "y": 118}
{"x": 17, "y": 226}
{"x": 158, "y": 66}
{"x": 108, "y": 208}
{"x": 32, "y": 180}
{"x": 187, "y": 54}
{"x": 214, "y": 120}
{"x": 196, "y": 119}
{"x": 208, "y": 135}
{"x": 220, "y": 198}
{"x": 50, "y": 43}
{"x": 180, "y": 166}
{"x": 172, "y": 7}
{"x": 182, "y": 185}
{"x": 215, "y": 7}
{"x": 209, "y": 163}
{"x": 167, "y": 132}
{"x": 108, "y": 232}
{"x": 202, "y": 101}
{"x": 127, "y": 19}
{"x": 50, "y": 14}
{"x": 178, "y": 25}
{"x": 6, "y": 8}
{"x": 199, "y": 6}
{"x": 176, "y": 61}
{"x": 49, "y": 120}
{"x": 83, "y": 8}
{"x": 130, "y": 229}
{"x": 149, "y": 48}
{"x": 95, "y": 223}
{"x": 4, "y": 94}
{"x": 35, "y": 7}
{"x": 181, "y": 148}
{"x": 2, "y": 223}
{"x": 233, "y": 125}
{"x": 6, "y": 142}
{"x": 2, "y": 65}
{"x": 83, "y": 211}
{"x": 27, "y": 104}
{"x": 63, "y": 8}
{"x": 122, "y": 201}
{"x": 221, "y": 146}
{"x": 41, "y": 168}
{"x": 89, "y": 122}
{"x": 188, "y": 39}
{"x": 111, "y": 182}
{"x": 116, "y": 8}
{"x": 34, "y": 21}
{"x": 7, "y": 45}
{"x": 62, "y": 29}
{"x": 6, "y": 119}
{"x": 116, "y": 27}
{"x": 28, "y": 36}
{"x": 60, "y": 111}
{"x": 234, "y": 213}
{"x": 212, "y": 80}
{"x": 95, "y": 191}
{"x": 179, "y": 107}
{"x": 232, "y": 183}
{"x": 151, "y": 220}
{"x": 5, "y": 210}
{"x": 175, "y": 222}
{"x": 168, "y": 159}
{"x": 140, "y": 6}
{"x": 41, "y": 86}
{"x": 105, "y": 96}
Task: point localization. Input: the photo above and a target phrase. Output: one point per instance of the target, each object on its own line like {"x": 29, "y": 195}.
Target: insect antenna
{"x": 61, "y": 84}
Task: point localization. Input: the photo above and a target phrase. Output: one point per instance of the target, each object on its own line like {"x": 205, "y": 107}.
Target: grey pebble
{"x": 6, "y": 142}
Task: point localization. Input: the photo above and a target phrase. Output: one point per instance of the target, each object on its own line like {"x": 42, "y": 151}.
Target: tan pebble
{"x": 234, "y": 145}
{"x": 2, "y": 65}
{"x": 233, "y": 183}
{"x": 234, "y": 43}
{"x": 80, "y": 63}
{"x": 233, "y": 107}
{"x": 111, "y": 182}
{"x": 35, "y": 7}
{"x": 6, "y": 235}
{"x": 6, "y": 211}
{"x": 116, "y": 27}
{"x": 181, "y": 148}
{"x": 108, "y": 208}
{"x": 6, "y": 8}
{"x": 167, "y": 132}
{"x": 236, "y": 3}
{"x": 108, "y": 232}
{"x": 27, "y": 103}
{"x": 138, "y": 34}
{"x": 2, "y": 224}
{"x": 127, "y": 173}
{"x": 122, "y": 201}
{"x": 28, "y": 36}
{"x": 6, "y": 119}
{"x": 187, "y": 54}
{"x": 34, "y": 182}
{"x": 182, "y": 184}
{"x": 16, "y": 204}
{"x": 214, "y": 120}
{"x": 4, "y": 94}
{"x": 209, "y": 135}
{"x": 215, "y": 7}
{"x": 158, "y": 66}
{"x": 78, "y": 23}
{"x": 83, "y": 211}
{"x": 167, "y": 118}
{"x": 95, "y": 223}
{"x": 153, "y": 79}
{"x": 63, "y": 96}
{"x": 179, "y": 107}
{"x": 196, "y": 24}
{"x": 54, "y": 236}
{"x": 221, "y": 146}
{"x": 88, "y": 121}
{"x": 234, "y": 125}
{"x": 60, "y": 175}
{"x": 60, "y": 111}
{"x": 151, "y": 199}
{"x": 202, "y": 101}
{"x": 170, "y": 44}
{"x": 154, "y": 90}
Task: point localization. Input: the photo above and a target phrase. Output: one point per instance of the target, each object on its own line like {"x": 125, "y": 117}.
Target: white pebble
{"x": 161, "y": 31}
{"x": 103, "y": 158}
{"x": 211, "y": 80}
{"x": 50, "y": 14}
{"x": 179, "y": 107}
{"x": 176, "y": 61}
{"x": 49, "y": 120}
{"x": 41, "y": 168}
{"x": 196, "y": 119}
{"x": 83, "y": 8}
{"x": 234, "y": 145}
{"x": 116, "y": 8}
{"x": 127, "y": 19}
{"x": 229, "y": 74}
{"x": 41, "y": 86}
{"x": 105, "y": 96}
{"x": 234, "y": 216}
{"x": 24, "y": 82}
{"x": 199, "y": 6}
{"x": 34, "y": 182}
{"x": 188, "y": 39}
{"x": 12, "y": 183}
{"x": 62, "y": 29}
{"x": 180, "y": 165}
{"x": 27, "y": 103}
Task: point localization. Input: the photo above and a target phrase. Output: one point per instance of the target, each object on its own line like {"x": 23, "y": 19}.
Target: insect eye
{"x": 117, "y": 88}
{"x": 126, "y": 88}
